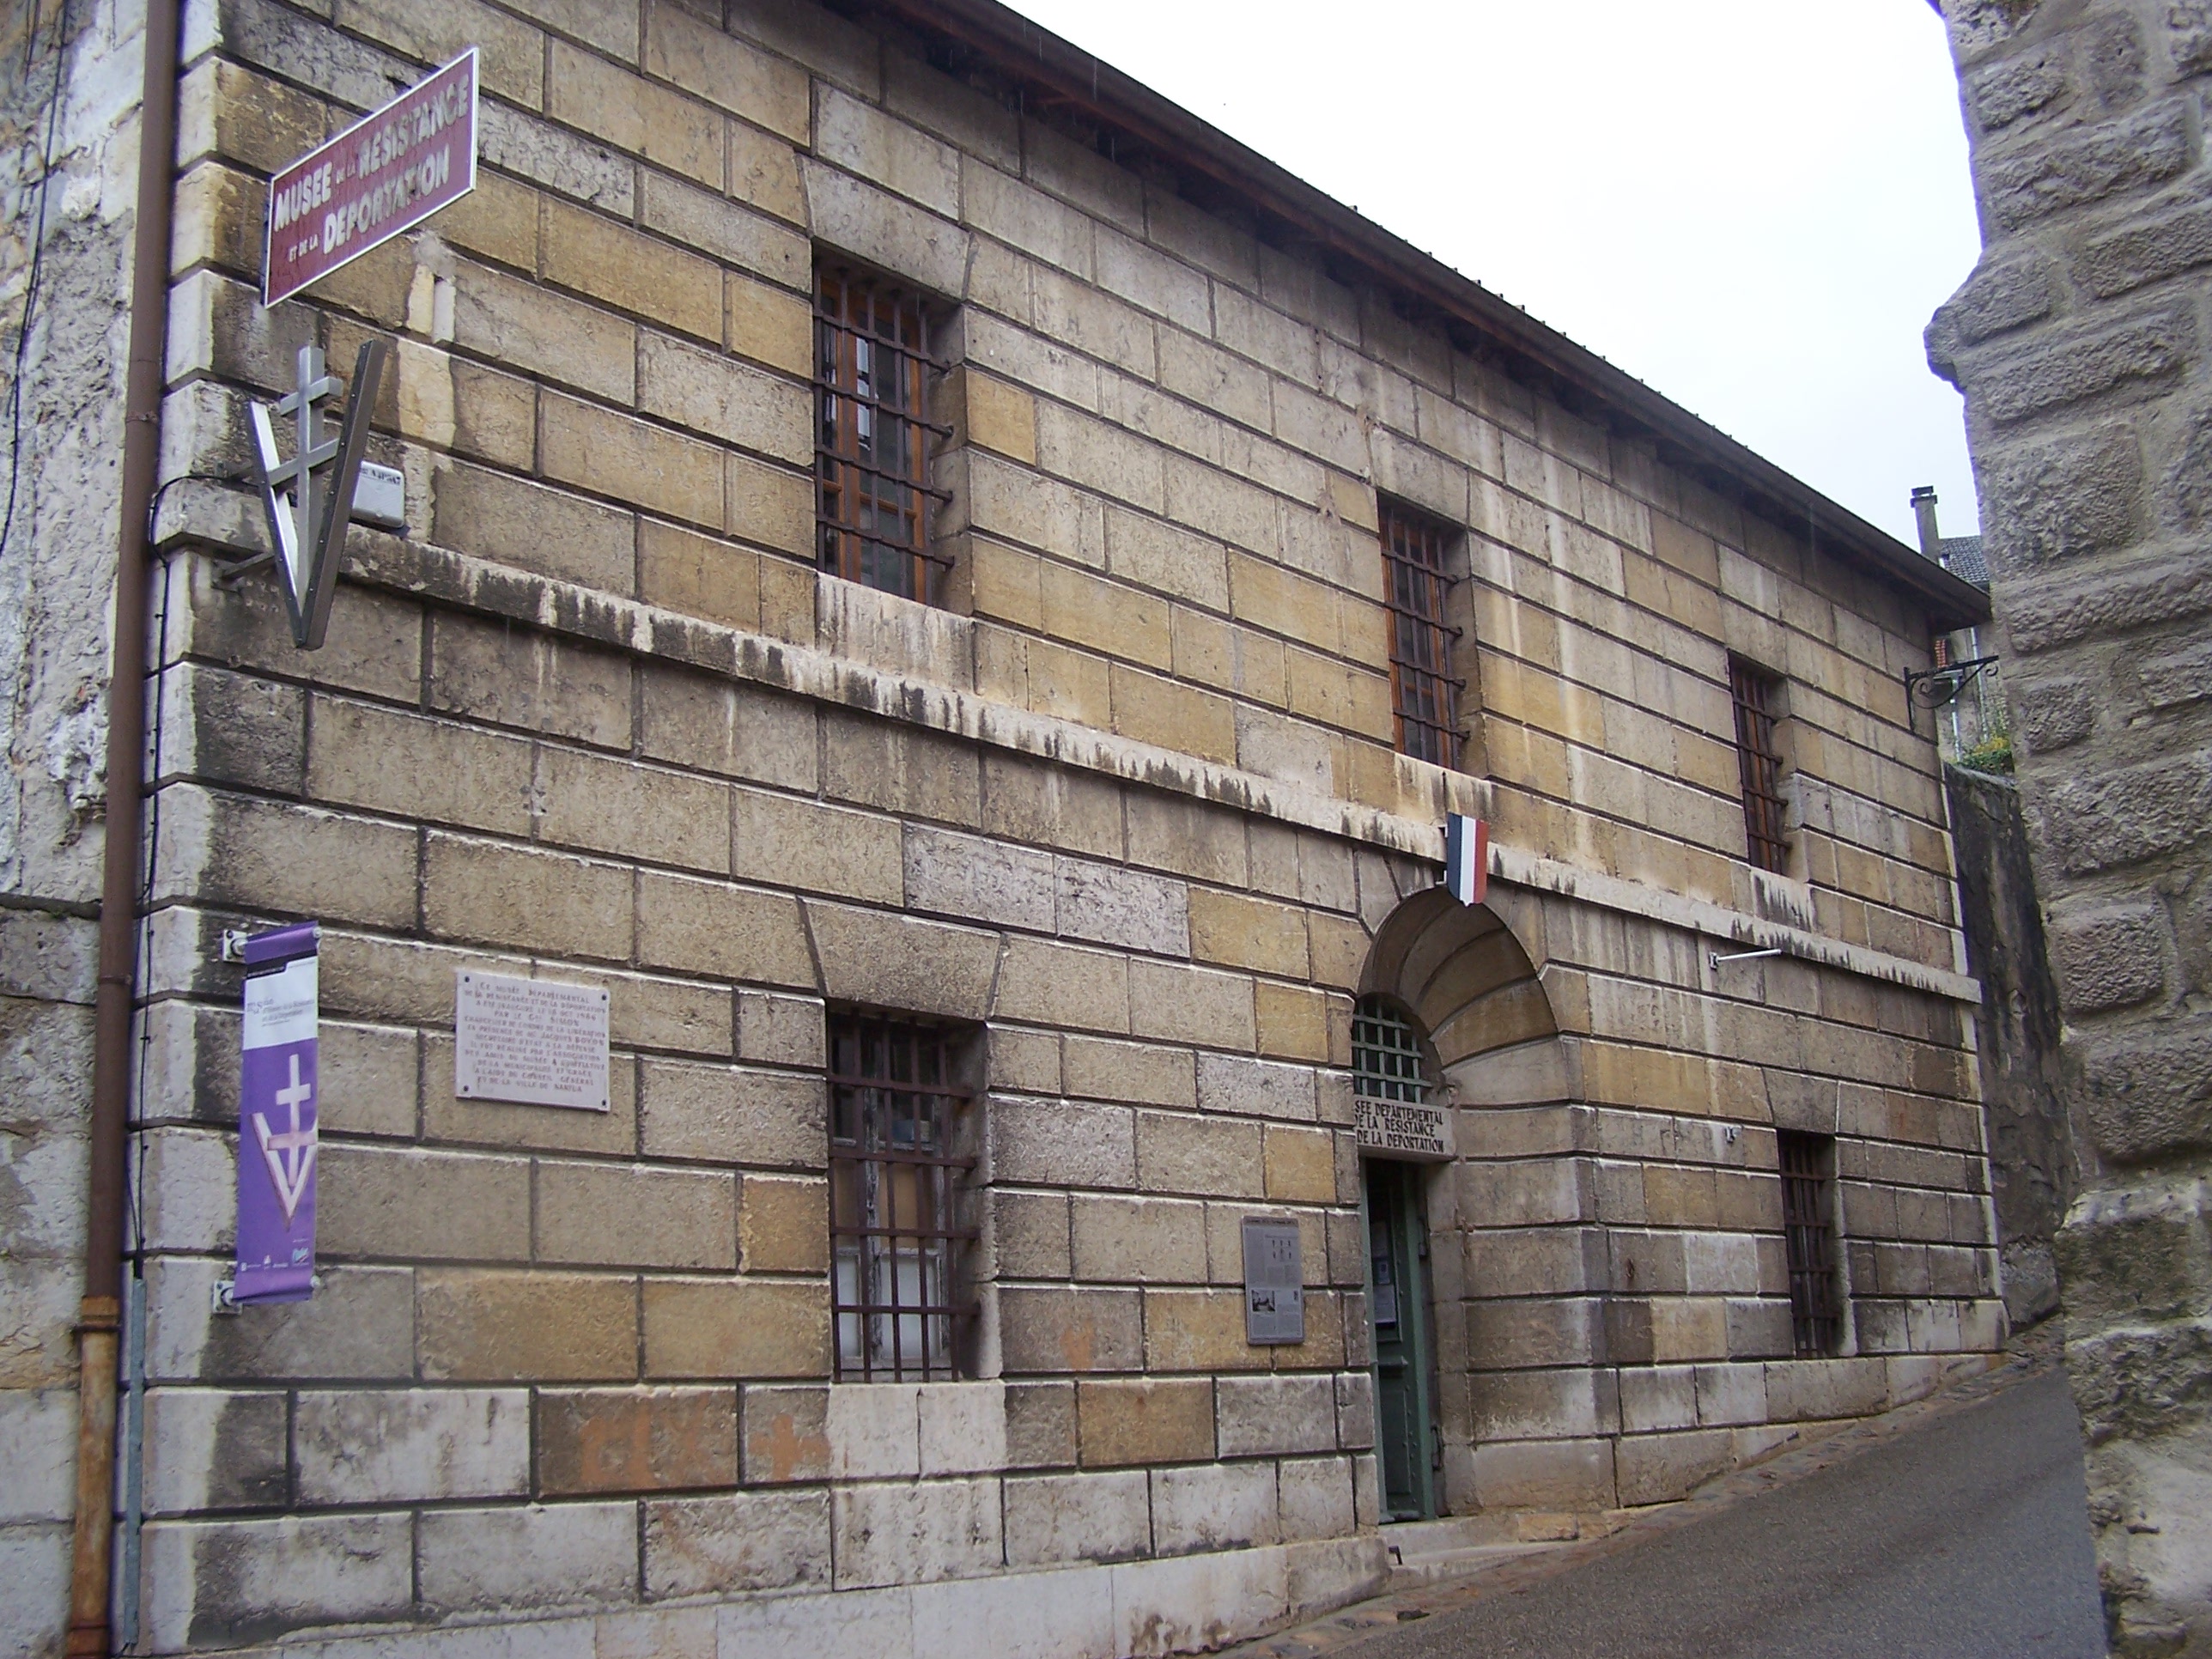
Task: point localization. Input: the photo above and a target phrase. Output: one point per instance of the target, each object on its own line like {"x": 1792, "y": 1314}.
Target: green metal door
{"x": 1398, "y": 1310}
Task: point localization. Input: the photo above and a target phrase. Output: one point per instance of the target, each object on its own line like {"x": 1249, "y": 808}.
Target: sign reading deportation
{"x": 1399, "y": 1128}
{"x": 387, "y": 172}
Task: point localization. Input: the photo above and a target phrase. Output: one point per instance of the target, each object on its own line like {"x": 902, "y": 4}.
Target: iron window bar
{"x": 890, "y": 343}
{"x": 1815, "y": 1320}
{"x": 1421, "y": 683}
{"x": 872, "y": 496}
{"x": 895, "y": 1244}
{"x": 897, "y": 478}
{"x": 1387, "y": 1063}
{"x": 1397, "y": 610}
{"x": 1758, "y": 766}
{"x": 900, "y": 410}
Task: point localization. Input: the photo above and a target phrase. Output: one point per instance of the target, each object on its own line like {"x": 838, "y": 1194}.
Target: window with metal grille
{"x": 897, "y": 1247}
{"x": 1386, "y": 1055}
{"x": 871, "y": 432}
{"x": 1759, "y": 760}
{"x": 1421, "y": 683}
{"x": 1807, "y": 1206}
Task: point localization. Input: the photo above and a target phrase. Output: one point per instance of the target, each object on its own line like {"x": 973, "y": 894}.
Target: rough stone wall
{"x": 1128, "y": 806}
{"x": 60, "y": 449}
{"x": 2032, "y": 1173}
{"x": 2079, "y": 343}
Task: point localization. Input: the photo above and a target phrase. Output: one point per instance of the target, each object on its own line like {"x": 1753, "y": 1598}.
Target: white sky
{"x": 1752, "y": 206}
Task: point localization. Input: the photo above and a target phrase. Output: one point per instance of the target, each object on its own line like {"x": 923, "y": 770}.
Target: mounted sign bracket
{"x": 1932, "y": 687}
{"x": 310, "y": 499}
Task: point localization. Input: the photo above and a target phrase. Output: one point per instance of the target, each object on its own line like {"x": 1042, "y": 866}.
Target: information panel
{"x": 278, "y": 1105}
{"x": 1274, "y": 1282}
{"x": 387, "y": 172}
{"x": 1398, "y": 1129}
{"x": 530, "y": 1041}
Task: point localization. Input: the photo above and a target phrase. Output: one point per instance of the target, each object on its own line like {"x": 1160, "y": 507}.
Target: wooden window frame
{"x": 874, "y": 500}
{"x": 1808, "y": 1163}
{"x": 1425, "y": 716}
{"x": 898, "y": 1193}
{"x": 1760, "y": 765}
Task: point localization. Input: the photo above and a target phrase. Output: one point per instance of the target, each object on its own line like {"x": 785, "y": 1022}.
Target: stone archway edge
{"x": 461, "y": 580}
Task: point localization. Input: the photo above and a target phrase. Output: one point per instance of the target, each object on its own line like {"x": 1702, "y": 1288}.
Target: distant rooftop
{"x": 1962, "y": 557}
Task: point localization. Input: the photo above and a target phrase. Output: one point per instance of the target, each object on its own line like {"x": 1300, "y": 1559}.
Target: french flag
{"x": 1467, "y": 858}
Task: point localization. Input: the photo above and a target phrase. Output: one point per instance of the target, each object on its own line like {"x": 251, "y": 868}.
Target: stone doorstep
{"x": 1456, "y": 1546}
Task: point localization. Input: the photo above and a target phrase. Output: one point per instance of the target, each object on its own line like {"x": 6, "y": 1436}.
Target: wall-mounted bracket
{"x": 1932, "y": 687}
{"x": 1716, "y": 958}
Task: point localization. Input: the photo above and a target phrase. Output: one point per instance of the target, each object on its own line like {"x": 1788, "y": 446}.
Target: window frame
{"x": 1806, "y": 1166}
{"x": 886, "y": 1070}
{"x": 1417, "y": 584}
{"x": 1414, "y": 1087}
{"x": 1754, "y": 692}
{"x": 860, "y": 317}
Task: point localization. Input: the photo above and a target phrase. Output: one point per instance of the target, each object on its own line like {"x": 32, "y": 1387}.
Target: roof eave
{"x": 1023, "y": 49}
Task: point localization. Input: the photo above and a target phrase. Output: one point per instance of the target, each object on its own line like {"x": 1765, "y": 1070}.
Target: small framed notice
{"x": 1274, "y": 1282}
{"x": 530, "y": 1041}
{"x": 1399, "y": 1128}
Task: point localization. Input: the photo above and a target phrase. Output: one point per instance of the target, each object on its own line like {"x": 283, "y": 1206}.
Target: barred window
{"x": 1421, "y": 685}
{"x": 1808, "y": 1205}
{"x": 896, "y": 1185}
{"x": 1758, "y": 761}
{"x": 872, "y": 434}
{"x": 1386, "y": 1055}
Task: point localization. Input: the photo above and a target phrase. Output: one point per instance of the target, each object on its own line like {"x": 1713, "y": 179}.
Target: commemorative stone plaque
{"x": 1274, "y": 1282}
{"x": 1397, "y": 1128}
{"x": 530, "y": 1041}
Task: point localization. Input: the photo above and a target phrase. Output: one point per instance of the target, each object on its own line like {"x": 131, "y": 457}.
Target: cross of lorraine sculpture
{"x": 309, "y": 499}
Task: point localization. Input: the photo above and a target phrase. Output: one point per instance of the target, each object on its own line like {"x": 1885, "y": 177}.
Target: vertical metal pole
{"x": 134, "y": 1459}
{"x": 91, "y": 1550}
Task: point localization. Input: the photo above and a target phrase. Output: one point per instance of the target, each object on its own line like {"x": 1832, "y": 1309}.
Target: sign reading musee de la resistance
{"x": 388, "y": 171}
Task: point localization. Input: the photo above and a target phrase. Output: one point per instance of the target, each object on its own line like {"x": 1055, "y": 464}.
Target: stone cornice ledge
{"x": 479, "y": 585}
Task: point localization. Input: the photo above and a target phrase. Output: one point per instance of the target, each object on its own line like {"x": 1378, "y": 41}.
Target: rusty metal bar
{"x": 1815, "y": 1321}
{"x": 1758, "y": 765}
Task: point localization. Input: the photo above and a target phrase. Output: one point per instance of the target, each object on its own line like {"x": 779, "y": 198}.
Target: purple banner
{"x": 276, "y": 1118}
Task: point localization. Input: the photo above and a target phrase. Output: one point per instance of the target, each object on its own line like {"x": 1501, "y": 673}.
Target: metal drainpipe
{"x": 91, "y": 1563}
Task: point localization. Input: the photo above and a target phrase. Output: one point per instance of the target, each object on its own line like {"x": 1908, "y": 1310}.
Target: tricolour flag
{"x": 1467, "y": 858}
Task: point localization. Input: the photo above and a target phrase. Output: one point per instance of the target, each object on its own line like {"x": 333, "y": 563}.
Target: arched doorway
{"x": 1452, "y": 1004}
{"x": 1403, "y": 1124}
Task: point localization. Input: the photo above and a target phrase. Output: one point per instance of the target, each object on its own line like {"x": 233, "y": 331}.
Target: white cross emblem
{"x": 290, "y": 1154}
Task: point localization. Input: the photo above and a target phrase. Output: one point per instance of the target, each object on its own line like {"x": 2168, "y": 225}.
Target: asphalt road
{"x": 1967, "y": 1538}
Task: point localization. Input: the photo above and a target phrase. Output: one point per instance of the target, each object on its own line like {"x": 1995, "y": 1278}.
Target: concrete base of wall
{"x": 1187, "y": 1604}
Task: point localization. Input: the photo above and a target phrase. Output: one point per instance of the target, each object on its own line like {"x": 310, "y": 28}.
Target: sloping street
{"x": 1964, "y": 1536}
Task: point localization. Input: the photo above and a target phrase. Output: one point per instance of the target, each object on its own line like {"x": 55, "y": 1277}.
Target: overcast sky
{"x": 1752, "y": 206}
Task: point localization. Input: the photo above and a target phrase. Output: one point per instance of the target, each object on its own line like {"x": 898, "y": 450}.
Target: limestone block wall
{"x": 68, "y": 169}
{"x": 2079, "y": 343}
{"x": 1612, "y": 1291}
{"x": 566, "y": 1362}
{"x": 1170, "y": 438}
{"x": 565, "y": 1359}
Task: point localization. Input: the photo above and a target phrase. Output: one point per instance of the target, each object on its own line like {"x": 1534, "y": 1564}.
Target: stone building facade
{"x": 1123, "y": 820}
{"x": 2079, "y": 343}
